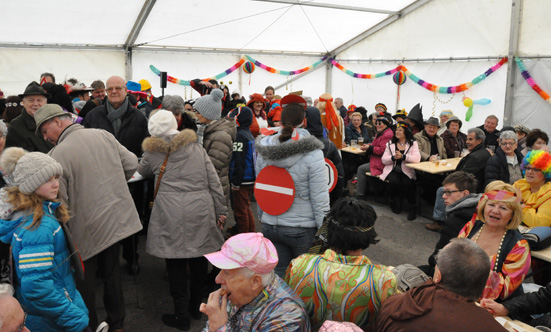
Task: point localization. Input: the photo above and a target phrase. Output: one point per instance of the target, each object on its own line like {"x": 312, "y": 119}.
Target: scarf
{"x": 115, "y": 115}
{"x": 200, "y": 133}
{"x": 331, "y": 119}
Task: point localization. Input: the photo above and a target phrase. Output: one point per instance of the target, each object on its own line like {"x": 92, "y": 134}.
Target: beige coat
{"x": 424, "y": 146}
{"x": 93, "y": 185}
{"x": 183, "y": 221}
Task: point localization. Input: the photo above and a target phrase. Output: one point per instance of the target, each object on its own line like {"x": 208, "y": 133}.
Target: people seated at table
{"x": 495, "y": 229}
{"x": 475, "y": 161}
{"x": 342, "y": 284}
{"x": 522, "y": 132}
{"x": 447, "y": 302}
{"x": 431, "y": 146}
{"x": 490, "y": 131}
{"x": 415, "y": 119}
{"x": 346, "y": 119}
{"x": 460, "y": 198}
{"x": 523, "y": 306}
{"x": 454, "y": 139}
{"x": 400, "y": 115}
{"x": 401, "y": 150}
{"x": 371, "y": 125}
{"x": 375, "y": 151}
{"x": 536, "y": 140}
{"x": 505, "y": 164}
{"x": 356, "y": 130}
{"x": 445, "y": 115}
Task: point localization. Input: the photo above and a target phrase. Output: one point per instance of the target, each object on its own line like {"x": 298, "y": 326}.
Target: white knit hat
{"x": 29, "y": 170}
{"x": 210, "y": 106}
{"x": 162, "y": 123}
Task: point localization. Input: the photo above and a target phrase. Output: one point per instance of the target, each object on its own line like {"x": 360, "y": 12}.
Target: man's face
{"x": 116, "y": 91}
{"x": 490, "y": 125}
{"x": 51, "y": 130}
{"x": 99, "y": 93}
{"x": 452, "y": 194}
{"x": 472, "y": 142}
{"x": 338, "y": 103}
{"x": 237, "y": 285}
{"x": 508, "y": 146}
{"x": 33, "y": 103}
{"x": 431, "y": 130}
{"x": 46, "y": 79}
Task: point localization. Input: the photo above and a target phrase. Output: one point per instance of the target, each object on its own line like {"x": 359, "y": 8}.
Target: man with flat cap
{"x": 22, "y": 128}
{"x": 259, "y": 300}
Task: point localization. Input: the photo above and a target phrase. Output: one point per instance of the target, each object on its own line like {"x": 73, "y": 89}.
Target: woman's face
{"x": 508, "y": 146}
{"x": 269, "y": 94}
{"x": 257, "y": 106}
{"x": 497, "y": 214}
{"x": 454, "y": 127}
{"x": 400, "y": 133}
{"x": 381, "y": 126}
{"x": 374, "y": 120}
{"x": 539, "y": 144}
{"x": 357, "y": 121}
{"x": 534, "y": 176}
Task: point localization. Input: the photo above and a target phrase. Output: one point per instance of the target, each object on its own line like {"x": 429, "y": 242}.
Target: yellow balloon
{"x": 468, "y": 102}
{"x": 230, "y": 82}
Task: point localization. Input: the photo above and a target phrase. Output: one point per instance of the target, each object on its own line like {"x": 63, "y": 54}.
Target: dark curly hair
{"x": 351, "y": 225}
{"x": 407, "y": 132}
{"x": 533, "y": 136}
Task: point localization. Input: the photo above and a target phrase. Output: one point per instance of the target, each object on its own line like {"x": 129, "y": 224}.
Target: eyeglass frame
{"x": 533, "y": 169}
{"x": 450, "y": 192}
{"x": 22, "y": 326}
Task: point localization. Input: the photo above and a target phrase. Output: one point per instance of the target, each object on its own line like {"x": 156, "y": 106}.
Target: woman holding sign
{"x": 294, "y": 198}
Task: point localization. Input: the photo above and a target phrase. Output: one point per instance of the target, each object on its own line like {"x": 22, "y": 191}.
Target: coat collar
{"x": 157, "y": 144}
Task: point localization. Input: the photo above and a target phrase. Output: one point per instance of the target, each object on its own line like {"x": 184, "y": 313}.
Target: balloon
{"x": 483, "y": 101}
{"x": 468, "y": 102}
{"x": 248, "y": 67}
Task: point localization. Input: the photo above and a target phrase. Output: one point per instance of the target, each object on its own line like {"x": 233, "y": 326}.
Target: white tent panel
{"x": 441, "y": 29}
{"x": 19, "y": 67}
{"x": 535, "y": 27}
{"x": 101, "y": 22}
{"x": 528, "y": 107}
{"x": 368, "y": 92}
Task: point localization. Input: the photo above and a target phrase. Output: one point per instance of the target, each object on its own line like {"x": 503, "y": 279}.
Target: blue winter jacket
{"x": 242, "y": 159}
{"x": 44, "y": 282}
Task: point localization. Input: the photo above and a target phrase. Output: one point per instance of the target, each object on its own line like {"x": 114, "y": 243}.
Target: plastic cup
{"x": 354, "y": 144}
{"x": 456, "y": 154}
{"x": 360, "y": 141}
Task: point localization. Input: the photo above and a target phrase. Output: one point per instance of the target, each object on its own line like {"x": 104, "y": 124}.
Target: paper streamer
{"x": 285, "y": 72}
{"x": 531, "y": 81}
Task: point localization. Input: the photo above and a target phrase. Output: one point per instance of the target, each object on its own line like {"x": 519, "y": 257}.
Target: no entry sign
{"x": 274, "y": 190}
{"x": 332, "y": 174}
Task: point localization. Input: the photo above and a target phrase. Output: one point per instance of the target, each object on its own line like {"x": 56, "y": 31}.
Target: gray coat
{"x": 93, "y": 186}
{"x": 183, "y": 221}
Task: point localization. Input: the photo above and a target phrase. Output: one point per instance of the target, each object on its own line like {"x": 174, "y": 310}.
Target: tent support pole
{"x": 328, "y": 77}
{"x": 128, "y": 63}
{"x": 516, "y": 11}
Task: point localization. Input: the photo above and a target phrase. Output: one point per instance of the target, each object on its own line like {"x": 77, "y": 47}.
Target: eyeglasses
{"x": 116, "y": 88}
{"x": 508, "y": 143}
{"x": 22, "y": 326}
{"x": 535, "y": 170}
{"x": 449, "y": 192}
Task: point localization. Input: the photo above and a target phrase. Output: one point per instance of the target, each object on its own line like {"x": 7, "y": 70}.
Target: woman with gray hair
{"x": 176, "y": 105}
{"x": 505, "y": 164}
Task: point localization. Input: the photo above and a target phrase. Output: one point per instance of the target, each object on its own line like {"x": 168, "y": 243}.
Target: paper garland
{"x": 531, "y": 81}
{"x": 422, "y": 83}
{"x": 285, "y": 72}
{"x": 187, "y": 83}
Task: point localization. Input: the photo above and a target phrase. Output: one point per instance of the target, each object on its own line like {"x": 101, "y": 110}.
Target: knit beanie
{"x": 210, "y": 106}
{"x": 29, "y": 170}
{"x": 162, "y": 123}
{"x": 243, "y": 116}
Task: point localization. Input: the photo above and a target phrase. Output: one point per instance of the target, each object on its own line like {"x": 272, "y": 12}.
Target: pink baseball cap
{"x": 250, "y": 250}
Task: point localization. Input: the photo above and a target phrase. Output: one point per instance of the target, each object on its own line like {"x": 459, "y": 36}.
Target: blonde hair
{"x": 356, "y": 114}
{"x": 515, "y": 206}
{"x": 32, "y": 203}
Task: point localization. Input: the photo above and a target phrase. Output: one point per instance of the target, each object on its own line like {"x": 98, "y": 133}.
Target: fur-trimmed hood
{"x": 288, "y": 152}
{"x": 157, "y": 144}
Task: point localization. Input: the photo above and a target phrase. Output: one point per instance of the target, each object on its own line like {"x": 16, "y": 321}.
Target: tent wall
{"x": 19, "y": 67}
{"x": 535, "y": 27}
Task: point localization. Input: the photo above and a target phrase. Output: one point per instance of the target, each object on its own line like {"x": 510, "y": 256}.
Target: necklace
{"x": 401, "y": 144}
{"x": 498, "y": 249}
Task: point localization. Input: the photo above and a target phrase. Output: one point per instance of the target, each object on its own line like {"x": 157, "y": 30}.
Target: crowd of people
{"x": 176, "y": 169}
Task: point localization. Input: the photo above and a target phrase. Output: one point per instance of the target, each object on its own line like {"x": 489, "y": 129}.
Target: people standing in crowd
{"x": 447, "y": 302}
{"x": 415, "y": 119}
{"x": 98, "y": 98}
{"x": 47, "y": 78}
{"x": 330, "y": 151}
{"x": 401, "y": 150}
{"x": 536, "y": 140}
{"x": 242, "y": 171}
{"x": 204, "y": 87}
{"x": 269, "y": 94}
{"x": 431, "y": 146}
{"x": 23, "y": 127}
{"x": 454, "y": 139}
{"x": 155, "y": 102}
{"x": 251, "y": 297}
{"x": 339, "y": 105}
{"x": 331, "y": 120}
{"x": 300, "y": 154}
{"x": 176, "y": 105}
{"x": 14, "y": 107}
{"x": 356, "y": 130}
{"x": 95, "y": 174}
{"x": 322, "y": 281}
{"x": 522, "y": 132}
{"x": 227, "y": 105}
{"x": 44, "y": 281}
{"x": 494, "y": 228}
{"x": 129, "y": 126}
{"x": 177, "y": 232}
{"x": 445, "y": 115}
{"x": 216, "y": 135}
{"x": 505, "y": 164}
{"x": 490, "y": 131}
{"x": 257, "y": 104}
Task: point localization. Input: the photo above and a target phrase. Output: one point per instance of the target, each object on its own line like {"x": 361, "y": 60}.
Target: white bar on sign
{"x": 276, "y": 189}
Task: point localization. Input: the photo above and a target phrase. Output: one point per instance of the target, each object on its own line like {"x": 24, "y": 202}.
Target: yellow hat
{"x": 145, "y": 84}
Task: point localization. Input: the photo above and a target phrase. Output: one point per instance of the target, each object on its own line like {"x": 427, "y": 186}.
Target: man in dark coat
{"x": 490, "y": 130}
{"x": 22, "y": 128}
{"x": 129, "y": 126}
{"x": 340, "y": 107}
{"x": 475, "y": 162}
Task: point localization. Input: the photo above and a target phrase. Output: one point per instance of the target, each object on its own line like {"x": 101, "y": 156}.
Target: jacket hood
{"x": 227, "y": 125}
{"x": 313, "y": 122}
{"x": 415, "y": 303}
{"x": 157, "y": 144}
{"x": 287, "y": 153}
{"x": 16, "y": 219}
{"x": 468, "y": 202}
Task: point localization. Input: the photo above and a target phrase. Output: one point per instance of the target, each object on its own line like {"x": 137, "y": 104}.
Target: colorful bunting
{"x": 531, "y": 81}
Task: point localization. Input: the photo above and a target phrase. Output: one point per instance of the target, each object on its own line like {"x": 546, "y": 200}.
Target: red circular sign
{"x": 332, "y": 174}
{"x": 274, "y": 190}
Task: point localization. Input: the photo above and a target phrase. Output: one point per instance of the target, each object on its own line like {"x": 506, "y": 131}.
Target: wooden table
{"x": 514, "y": 325}
{"x": 350, "y": 149}
{"x": 436, "y": 168}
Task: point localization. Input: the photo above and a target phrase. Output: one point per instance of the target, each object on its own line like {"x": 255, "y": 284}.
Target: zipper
{"x": 67, "y": 294}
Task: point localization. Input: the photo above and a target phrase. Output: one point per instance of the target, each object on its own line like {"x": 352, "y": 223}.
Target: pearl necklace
{"x": 401, "y": 144}
{"x": 498, "y": 249}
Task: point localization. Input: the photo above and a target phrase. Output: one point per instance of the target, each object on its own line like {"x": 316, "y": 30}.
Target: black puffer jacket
{"x": 475, "y": 163}
{"x": 497, "y": 168}
{"x": 133, "y": 127}
{"x": 529, "y": 303}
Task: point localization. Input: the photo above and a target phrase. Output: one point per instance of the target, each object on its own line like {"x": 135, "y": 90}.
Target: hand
{"x": 434, "y": 157}
{"x": 222, "y": 221}
{"x": 205, "y": 83}
{"x": 523, "y": 206}
{"x": 494, "y": 308}
{"x": 365, "y": 147}
{"x": 234, "y": 188}
{"x": 397, "y": 155}
{"x": 215, "y": 309}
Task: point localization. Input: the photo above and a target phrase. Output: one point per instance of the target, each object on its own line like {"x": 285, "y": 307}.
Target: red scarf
{"x": 331, "y": 118}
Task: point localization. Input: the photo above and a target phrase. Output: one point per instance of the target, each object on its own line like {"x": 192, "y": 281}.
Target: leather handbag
{"x": 159, "y": 180}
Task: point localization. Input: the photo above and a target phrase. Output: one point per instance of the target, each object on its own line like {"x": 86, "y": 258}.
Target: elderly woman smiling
{"x": 505, "y": 164}
{"x": 494, "y": 229}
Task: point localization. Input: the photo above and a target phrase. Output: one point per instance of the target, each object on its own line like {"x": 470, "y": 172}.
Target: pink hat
{"x": 250, "y": 250}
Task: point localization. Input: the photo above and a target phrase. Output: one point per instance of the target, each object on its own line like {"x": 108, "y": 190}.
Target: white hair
{"x": 266, "y": 277}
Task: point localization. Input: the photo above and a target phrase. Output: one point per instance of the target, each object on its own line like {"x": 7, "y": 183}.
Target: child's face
{"x": 48, "y": 190}
{"x": 277, "y": 123}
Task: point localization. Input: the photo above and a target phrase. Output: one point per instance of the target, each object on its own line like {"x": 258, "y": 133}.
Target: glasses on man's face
{"x": 531, "y": 169}
{"x": 116, "y": 88}
{"x": 449, "y": 192}
{"x": 22, "y": 326}
{"x": 507, "y": 143}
